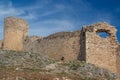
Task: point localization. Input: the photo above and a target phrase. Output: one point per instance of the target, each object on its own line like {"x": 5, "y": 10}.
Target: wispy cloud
{"x": 47, "y": 16}
{"x": 47, "y": 27}
{"x": 6, "y": 10}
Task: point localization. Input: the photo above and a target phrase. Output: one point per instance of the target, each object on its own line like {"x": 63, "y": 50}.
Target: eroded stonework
{"x": 63, "y": 44}
{"x": 85, "y": 44}
{"x": 15, "y": 32}
{"x": 101, "y": 51}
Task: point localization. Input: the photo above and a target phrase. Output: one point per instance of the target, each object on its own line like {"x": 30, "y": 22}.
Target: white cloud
{"x": 29, "y": 16}
{"x": 8, "y": 9}
{"x": 43, "y": 9}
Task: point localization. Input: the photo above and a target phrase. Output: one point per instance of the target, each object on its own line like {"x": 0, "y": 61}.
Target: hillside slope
{"x": 30, "y": 66}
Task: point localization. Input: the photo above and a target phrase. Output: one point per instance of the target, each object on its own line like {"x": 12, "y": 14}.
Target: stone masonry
{"x": 15, "y": 32}
{"x": 59, "y": 45}
{"x": 85, "y": 44}
{"x": 101, "y": 51}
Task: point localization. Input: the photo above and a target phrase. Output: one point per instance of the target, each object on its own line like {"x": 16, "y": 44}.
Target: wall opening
{"x": 103, "y": 33}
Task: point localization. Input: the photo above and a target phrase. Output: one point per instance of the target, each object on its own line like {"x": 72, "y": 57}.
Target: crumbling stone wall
{"x": 15, "y": 32}
{"x": 118, "y": 59}
{"x": 85, "y": 45}
{"x": 63, "y": 45}
{"x": 1, "y": 44}
{"x": 82, "y": 54}
{"x": 101, "y": 51}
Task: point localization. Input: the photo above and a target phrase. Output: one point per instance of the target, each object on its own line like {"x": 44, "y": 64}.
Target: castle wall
{"x": 82, "y": 55}
{"x": 15, "y": 32}
{"x": 85, "y": 45}
{"x": 1, "y": 43}
{"x": 118, "y": 59}
{"x": 101, "y": 51}
{"x": 57, "y": 46}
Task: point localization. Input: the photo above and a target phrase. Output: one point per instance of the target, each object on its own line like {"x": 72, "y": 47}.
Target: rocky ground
{"x": 30, "y": 66}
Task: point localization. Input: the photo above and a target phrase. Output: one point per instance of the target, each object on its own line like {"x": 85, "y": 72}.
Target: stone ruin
{"x": 85, "y": 44}
{"x": 15, "y": 32}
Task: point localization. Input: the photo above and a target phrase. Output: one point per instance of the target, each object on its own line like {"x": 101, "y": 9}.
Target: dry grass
{"x": 10, "y": 74}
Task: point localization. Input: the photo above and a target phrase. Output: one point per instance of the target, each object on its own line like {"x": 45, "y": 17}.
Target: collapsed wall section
{"x": 63, "y": 45}
{"x": 101, "y": 51}
{"x": 15, "y": 32}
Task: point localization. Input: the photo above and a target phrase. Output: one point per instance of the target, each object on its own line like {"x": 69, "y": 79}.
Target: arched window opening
{"x": 103, "y": 33}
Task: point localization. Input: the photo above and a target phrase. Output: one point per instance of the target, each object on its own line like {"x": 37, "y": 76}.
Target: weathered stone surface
{"x": 1, "y": 44}
{"x": 118, "y": 59}
{"x": 64, "y": 44}
{"x": 84, "y": 45}
{"x": 101, "y": 51}
{"x": 15, "y": 32}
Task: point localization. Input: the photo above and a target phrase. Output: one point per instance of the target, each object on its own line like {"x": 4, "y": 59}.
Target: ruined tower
{"x": 15, "y": 32}
{"x": 100, "y": 51}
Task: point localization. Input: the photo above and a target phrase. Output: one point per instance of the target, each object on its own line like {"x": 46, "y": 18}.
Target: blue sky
{"x": 49, "y": 16}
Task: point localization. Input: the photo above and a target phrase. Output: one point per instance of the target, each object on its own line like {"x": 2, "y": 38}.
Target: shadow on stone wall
{"x": 82, "y": 54}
